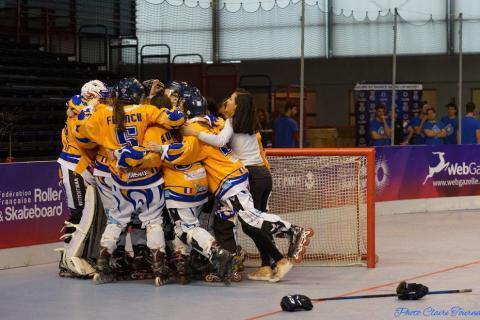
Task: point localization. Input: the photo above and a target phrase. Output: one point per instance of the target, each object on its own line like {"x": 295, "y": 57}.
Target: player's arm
{"x": 168, "y": 119}
{"x": 216, "y": 140}
{"x": 477, "y": 135}
{"x": 86, "y": 130}
{"x": 190, "y": 150}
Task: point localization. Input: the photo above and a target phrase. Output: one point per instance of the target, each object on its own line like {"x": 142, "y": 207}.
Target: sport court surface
{"x": 440, "y": 250}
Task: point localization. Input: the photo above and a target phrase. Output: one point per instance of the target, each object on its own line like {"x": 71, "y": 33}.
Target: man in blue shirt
{"x": 470, "y": 126}
{"x": 451, "y": 124}
{"x": 432, "y": 129}
{"x": 415, "y": 127}
{"x": 285, "y": 128}
{"x": 380, "y": 131}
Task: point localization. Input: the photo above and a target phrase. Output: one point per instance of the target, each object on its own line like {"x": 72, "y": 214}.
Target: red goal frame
{"x": 369, "y": 153}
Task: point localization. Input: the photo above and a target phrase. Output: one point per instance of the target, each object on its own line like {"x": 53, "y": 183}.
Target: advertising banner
{"x": 32, "y": 204}
{"x": 367, "y": 96}
{"x": 416, "y": 172}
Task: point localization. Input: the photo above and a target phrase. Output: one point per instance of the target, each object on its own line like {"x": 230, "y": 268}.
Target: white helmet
{"x": 94, "y": 89}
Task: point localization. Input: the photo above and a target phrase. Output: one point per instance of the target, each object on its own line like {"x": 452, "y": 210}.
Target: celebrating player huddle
{"x": 155, "y": 160}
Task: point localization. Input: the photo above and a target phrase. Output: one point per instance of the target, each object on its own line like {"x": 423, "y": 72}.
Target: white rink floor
{"x": 440, "y": 250}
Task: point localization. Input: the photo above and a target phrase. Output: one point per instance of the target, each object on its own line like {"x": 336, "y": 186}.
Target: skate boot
{"x": 222, "y": 261}
{"x": 121, "y": 263}
{"x": 237, "y": 265}
{"x": 299, "y": 240}
{"x": 200, "y": 266}
{"x": 160, "y": 268}
{"x": 104, "y": 272}
{"x": 142, "y": 263}
{"x": 240, "y": 258}
{"x": 182, "y": 268}
{"x": 281, "y": 269}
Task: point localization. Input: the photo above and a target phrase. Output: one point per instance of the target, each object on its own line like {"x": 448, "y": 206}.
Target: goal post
{"x": 330, "y": 190}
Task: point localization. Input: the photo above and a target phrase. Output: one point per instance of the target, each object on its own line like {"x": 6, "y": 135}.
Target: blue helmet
{"x": 176, "y": 86}
{"x": 187, "y": 92}
{"x": 129, "y": 89}
{"x": 195, "y": 106}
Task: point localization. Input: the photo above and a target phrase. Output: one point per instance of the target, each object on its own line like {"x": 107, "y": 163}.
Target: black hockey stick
{"x": 405, "y": 291}
{"x": 370, "y": 296}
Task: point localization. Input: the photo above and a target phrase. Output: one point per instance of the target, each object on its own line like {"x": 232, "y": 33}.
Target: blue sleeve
{"x": 374, "y": 126}
{"x": 427, "y": 126}
{"x": 293, "y": 125}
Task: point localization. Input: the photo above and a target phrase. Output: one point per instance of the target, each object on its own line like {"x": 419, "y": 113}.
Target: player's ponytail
{"x": 119, "y": 114}
{"x": 245, "y": 119}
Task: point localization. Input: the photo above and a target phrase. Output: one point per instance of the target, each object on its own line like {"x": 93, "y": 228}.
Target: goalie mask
{"x": 94, "y": 89}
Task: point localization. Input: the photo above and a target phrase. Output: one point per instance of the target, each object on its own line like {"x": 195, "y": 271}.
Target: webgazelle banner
{"x": 416, "y": 172}
{"x": 32, "y": 204}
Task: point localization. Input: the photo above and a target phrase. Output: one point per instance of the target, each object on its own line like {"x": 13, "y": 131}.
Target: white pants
{"x": 188, "y": 230}
{"x": 242, "y": 206}
{"x": 104, "y": 186}
{"x": 148, "y": 204}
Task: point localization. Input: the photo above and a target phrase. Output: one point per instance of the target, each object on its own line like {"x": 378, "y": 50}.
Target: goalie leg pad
{"x": 72, "y": 252}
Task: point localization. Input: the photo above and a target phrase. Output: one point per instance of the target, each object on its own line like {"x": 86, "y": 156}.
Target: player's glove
{"x": 411, "y": 291}
{"x": 129, "y": 157}
{"x": 296, "y": 302}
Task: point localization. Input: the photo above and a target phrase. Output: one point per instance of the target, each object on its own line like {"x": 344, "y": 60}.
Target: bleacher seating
{"x": 34, "y": 86}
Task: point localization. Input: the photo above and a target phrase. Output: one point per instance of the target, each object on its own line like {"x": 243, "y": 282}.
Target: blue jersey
{"x": 378, "y": 127}
{"x": 284, "y": 130}
{"x": 417, "y": 138}
{"x": 470, "y": 125}
{"x": 436, "y": 127}
{"x": 451, "y": 127}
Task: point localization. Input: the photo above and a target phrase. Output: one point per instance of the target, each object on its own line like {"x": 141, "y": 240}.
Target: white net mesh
{"x": 326, "y": 193}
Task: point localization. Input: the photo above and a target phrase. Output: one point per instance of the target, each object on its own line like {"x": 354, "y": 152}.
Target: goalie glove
{"x": 411, "y": 291}
{"x": 296, "y": 302}
{"x": 129, "y": 157}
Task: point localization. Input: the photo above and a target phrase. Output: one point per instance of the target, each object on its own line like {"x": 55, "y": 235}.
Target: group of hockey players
{"x": 160, "y": 161}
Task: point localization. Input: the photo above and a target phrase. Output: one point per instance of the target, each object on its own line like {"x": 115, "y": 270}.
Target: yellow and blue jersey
{"x": 224, "y": 169}
{"x": 99, "y": 129}
{"x": 71, "y": 154}
{"x": 185, "y": 185}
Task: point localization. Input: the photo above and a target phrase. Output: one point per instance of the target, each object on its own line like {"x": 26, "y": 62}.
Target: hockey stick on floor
{"x": 405, "y": 291}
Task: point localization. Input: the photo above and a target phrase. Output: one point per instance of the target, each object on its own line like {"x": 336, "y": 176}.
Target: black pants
{"x": 260, "y": 181}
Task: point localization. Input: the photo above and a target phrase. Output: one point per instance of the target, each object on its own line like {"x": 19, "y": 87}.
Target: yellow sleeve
{"x": 87, "y": 131}
{"x": 262, "y": 151}
{"x": 169, "y": 119}
{"x": 189, "y": 151}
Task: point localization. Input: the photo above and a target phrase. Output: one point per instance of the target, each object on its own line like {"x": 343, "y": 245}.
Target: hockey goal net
{"x": 331, "y": 191}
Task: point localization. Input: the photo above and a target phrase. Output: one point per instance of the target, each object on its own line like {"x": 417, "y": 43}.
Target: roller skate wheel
{"x": 237, "y": 277}
{"x": 211, "y": 278}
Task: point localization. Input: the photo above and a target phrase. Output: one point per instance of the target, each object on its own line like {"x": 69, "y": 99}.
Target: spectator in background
{"x": 415, "y": 127}
{"x": 285, "y": 128}
{"x": 451, "y": 124}
{"x": 265, "y": 128}
{"x": 399, "y": 127}
{"x": 470, "y": 126}
{"x": 380, "y": 131}
{"x": 432, "y": 129}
